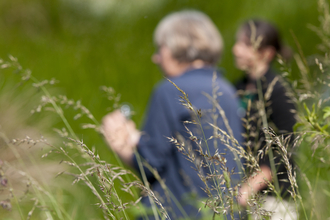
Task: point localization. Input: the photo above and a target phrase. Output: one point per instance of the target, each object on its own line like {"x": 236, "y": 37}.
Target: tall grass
{"x": 31, "y": 197}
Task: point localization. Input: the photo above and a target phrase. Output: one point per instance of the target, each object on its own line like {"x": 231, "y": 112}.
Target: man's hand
{"x": 120, "y": 134}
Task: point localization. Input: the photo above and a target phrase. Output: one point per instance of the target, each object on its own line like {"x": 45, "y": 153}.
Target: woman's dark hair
{"x": 268, "y": 35}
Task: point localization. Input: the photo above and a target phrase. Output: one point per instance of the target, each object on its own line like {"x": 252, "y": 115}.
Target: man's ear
{"x": 156, "y": 58}
{"x": 269, "y": 53}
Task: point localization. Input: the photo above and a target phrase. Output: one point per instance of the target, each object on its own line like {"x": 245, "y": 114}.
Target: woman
{"x": 188, "y": 49}
{"x": 257, "y": 44}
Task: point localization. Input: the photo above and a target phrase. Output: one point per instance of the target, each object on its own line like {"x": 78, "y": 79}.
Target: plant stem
{"x": 265, "y": 124}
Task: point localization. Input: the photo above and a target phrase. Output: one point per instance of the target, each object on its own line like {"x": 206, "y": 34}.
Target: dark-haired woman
{"x": 257, "y": 44}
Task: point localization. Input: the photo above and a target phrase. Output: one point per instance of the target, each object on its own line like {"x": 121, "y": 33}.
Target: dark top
{"x": 280, "y": 119}
{"x": 165, "y": 118}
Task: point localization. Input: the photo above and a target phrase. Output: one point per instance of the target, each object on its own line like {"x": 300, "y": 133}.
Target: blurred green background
{"x": 86, "y": 44}
{"x": 89, "y": 43}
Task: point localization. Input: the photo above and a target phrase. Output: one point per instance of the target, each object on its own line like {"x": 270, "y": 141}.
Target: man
{"x": 189, "y": 47}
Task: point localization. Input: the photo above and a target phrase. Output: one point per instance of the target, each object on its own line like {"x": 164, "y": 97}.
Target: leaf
{"x": 307, "y": 109}
{"x": 298, "y": 125}
{"x": 326, "y": 111}
{"x": 325, "y": 127}
{"x": 313, "y": 109}
{"x": 326, "y": 192}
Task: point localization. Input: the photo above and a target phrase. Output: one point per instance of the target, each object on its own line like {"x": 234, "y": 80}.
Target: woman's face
{"x": 246, "y": 56}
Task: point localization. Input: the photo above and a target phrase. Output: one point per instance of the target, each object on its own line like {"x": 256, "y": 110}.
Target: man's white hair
{"x": 190, "y": 35}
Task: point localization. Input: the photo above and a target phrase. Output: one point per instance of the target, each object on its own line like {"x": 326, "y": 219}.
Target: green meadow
{"x": 88, "y": 44}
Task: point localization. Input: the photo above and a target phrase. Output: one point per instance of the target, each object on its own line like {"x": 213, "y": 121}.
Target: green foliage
{"x": 326, "y": 111}
{"x": 83, "y": 50}
{"x": 311, "y": 92}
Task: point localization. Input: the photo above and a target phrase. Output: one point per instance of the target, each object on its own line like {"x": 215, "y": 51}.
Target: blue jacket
{"x": 164, "y": 119}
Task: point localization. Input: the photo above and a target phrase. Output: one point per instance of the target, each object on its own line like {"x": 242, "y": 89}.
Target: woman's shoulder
{"x": 275, "y": 80}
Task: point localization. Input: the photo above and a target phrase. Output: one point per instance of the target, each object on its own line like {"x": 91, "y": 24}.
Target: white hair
{"x": 190, "y": 35}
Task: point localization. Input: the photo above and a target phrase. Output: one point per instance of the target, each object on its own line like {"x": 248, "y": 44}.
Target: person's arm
{"x": 154, "y": 146}
{"x": 254, "y": 184}
{"x": 282, "y": 110}
{"x": 284, "y": 120}
{"x": 121, "y": 135}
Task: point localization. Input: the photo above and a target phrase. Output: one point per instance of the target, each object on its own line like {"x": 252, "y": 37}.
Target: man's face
{"x": 164, "y": 59}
